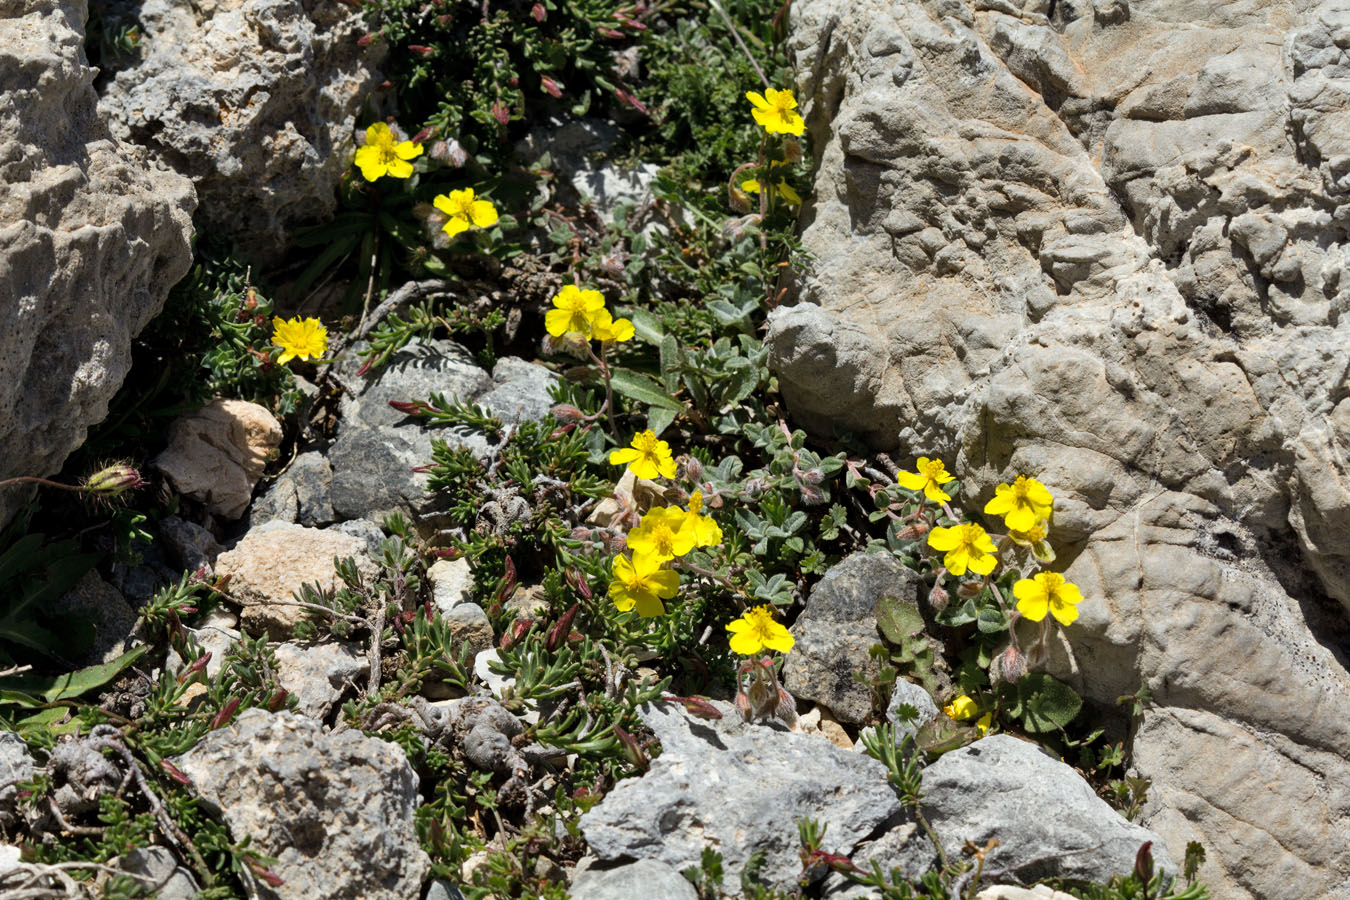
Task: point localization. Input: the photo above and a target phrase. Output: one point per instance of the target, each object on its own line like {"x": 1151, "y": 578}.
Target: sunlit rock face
{"x": 1104, "y": 244}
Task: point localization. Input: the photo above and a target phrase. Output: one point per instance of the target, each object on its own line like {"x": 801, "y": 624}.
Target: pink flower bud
{"x": 938, "y": 597}
{"x": 113, "y": 481}
{"x": 538, "y": 12}
{"x": 566, "y": 412}
{"x": 423, "y": 135}
{"x": 410, "y": 407}
{"x": 365, "y": 40}
{"x": 421, "y": 49}
{"x": 550, "y": 86}
{"x": 1009, "y": 666}
{"x": 501, "y": 112}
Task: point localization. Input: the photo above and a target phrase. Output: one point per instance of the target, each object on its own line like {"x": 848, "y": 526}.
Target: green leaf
{"x": 647, "y": 326}
{"x": 36, "y": 691}
{"x": 1043, "y": 703}
{"x": 643, "y": 389}
{"x": 670, "y": 363}
{"x": 659, "y": 419}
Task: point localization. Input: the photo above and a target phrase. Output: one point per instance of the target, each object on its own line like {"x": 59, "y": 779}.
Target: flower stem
{"x": 735, "y": 33}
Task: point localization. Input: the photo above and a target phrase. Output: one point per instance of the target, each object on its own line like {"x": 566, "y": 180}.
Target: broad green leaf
{"x": 68, "y": 685}
{"x": 643, "y": 389}
{"x": 647, "y": 326}
{"x": 1043, "y": 703}
{"x": 659, "y": 419}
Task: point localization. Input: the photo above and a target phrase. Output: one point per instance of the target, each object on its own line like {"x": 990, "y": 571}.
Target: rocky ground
{"x": 356, "y": 636}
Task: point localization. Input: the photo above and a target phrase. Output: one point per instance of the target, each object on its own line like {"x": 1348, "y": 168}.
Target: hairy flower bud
{"x": 738, "y": 199}
{"x": 567, "y": 413}
{"x": 970, "y": 589}
{"x": 691, "y": 468}
{"x": 1009, "y": 666}
{"x": 792, "y": 150}
{"x": 938, "y": 597}
{"x": 912, "y": 532}
{"x": 113, "y": 481}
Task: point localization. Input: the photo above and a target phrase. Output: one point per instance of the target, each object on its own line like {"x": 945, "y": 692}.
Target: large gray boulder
{"x": 91, "y": 240}
{"x": 737, "y": 788}
{"x": 1103, "y": 244}
{"x": 255, "y": 100}
{"x": 334, "y": 809}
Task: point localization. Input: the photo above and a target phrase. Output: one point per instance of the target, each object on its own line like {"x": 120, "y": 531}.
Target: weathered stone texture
{"x": 255, "y": 100}
{"x": 1107, "y": 249}
{"x": 90, "y": 243}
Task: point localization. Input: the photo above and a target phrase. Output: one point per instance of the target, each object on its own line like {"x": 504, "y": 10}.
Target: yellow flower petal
{"x": 483, "y": 214}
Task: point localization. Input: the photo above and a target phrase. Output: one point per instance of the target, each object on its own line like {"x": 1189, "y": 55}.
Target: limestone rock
{"x": 334, "y": 809}
{"x": 172, "y": 881}
{"x": 16, "y": 764}
{"x": 644, "y": 878}
{"x": 738, "y": 788}
{"x": 255, "y": 100}
{"x": 102, "y": 606}
{"x": 218, "y": 453}
{"x": 838, "y": 628}
{"x": 303, "y": 494}
{"x": 91, "y": 240}
{"x": 272, "y": 561}
{"x": 1104, "y": 244}
{"x": 192, "y": 546}
{"x": 378, "y": 447}
{"x": 451, "y": 583}
{"x": 316, "y": 675}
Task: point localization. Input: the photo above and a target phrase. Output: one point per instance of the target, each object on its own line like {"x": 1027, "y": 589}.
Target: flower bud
{"x": 513, "y": 635}
{"x": 912, "y": 532}
{"x": 365, "y": 40}
{"x": 410, "y": 407}
{"x": 113, "y": 481}
{"x": 561, "y": 629}
{"x": 501, "y": 112}
{"x": 631, "y": 748}
{"x": 449, "y": 151}
{"x": 693, "y": 469}
{"x": 1009, "y": 666}
{"x": 792, "y": 150}
{"x": 550, "y": 87}
{"x": 423, "y": 135}
{"x": 538, "y": 13}
{"x": 1143, "y": 863}
{"x": 938, "y": 597}
{"x": 699, "y": 708}
{"x": 738, "y": 199}
{"x": 970, "y": 589}
{"x": 567, "y": 413}
{"x": 421, "y": 49}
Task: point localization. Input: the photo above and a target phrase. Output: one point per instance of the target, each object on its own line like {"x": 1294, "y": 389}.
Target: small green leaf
{"x": 647, "y": 326}
{"x": 643, "y": 389}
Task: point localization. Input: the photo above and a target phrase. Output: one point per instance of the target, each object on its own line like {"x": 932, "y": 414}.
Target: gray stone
{"x": 482, "y": 670}
{"x": 451, "y": 583}
{"x": 91, "y": 240}
{"x": 378, "y": 447}
{"x": 644, "y": 878}
{"x": 1048, "y": 820}
{"x": 838, "y": 628}
{"x": 256, "y": 101}
{"x": 16, "y": 764}
{"x": 101, "y": 605}
{"x": 737, "y": 788}
{"x": 904, "y": 847}
{"x": 364, "y": 530}
{"x": 303, "y": 494}
{"x": 171, "y": 881}
{"x": 191, "y": 545}
{"x": 917, "y": 697}
{"x": 335, "y": 809}
{"x": 469, "y": 624}
{"x": 1108, "y": 251}
{"x": 317, "y": 674}
{"x": 440, "y": 889}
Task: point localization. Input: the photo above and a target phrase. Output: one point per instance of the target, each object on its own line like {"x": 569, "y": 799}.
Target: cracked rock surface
{"x": 1104, "y": 244}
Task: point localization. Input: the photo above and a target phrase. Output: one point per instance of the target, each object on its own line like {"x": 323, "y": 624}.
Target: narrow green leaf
{"x": 644, "y": 390}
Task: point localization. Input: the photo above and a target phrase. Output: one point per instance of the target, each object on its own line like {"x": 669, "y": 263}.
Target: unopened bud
{"x": 811, "y": 476}
{"x": 561, "y": 629}
{"x": 538, "y": 12}
{"x": 738, "y": 199}
{"x": 699, "y": 708}
{"x": 912, "y": 532}
{"x": 970, "y": 589}
{"x": 693, "y": 469}
{"x": 410, "y": 407}
{"x": 113, "y": 481}
{"x": 1143, "y": 863}
{"x": 938, "y": 597}
{"x": 567, "y": 413}
{"x": 631, "y": 748}
{"x": 812, "y": 495}
{"x": 423, "y": 135}
{"x": 792, "y": 150}
{"x": 365, "y": 40}
{"x": 1009, "y": 666}
{"x": 550, "y": 87}
{"x": 608, "y": 33}
{"x": 421, "y": 49}
{"x": 516, "y": 633}
{"x": 501, "y": 112}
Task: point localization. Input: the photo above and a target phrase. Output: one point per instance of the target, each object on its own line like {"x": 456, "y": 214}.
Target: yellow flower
{"x": 787, "y": 193}
{"x": 776, "y": 111}
{"x": 464, "y": 211}
{"x": 647, "y": 457}
{"x": 661, "y": 534}
{"x": 707, "y": 533}
{"x": 1034, "y": 537}
{"x": 1048, "y": 592}
{"x": 782, "y": 189}
{"x": 576, "y": 312}
{"x": 756, "y": 630}
{"x": 966, "y": 546}
{"x": 641, "y": 582}
{"x": 1021, "y": 503}
{"x": 383, "y": 156}
{"x": 605, "y": 327}
{"x": 931, "y": 474}
{"x": 984, "y": 722}
{"x": 305, "y": 338}
{"x": 961, "y": 708}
